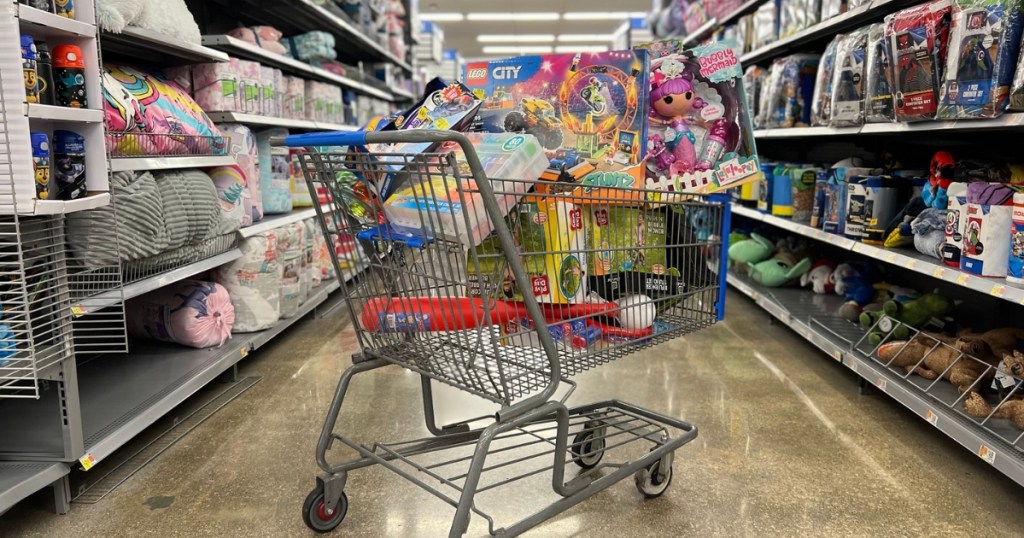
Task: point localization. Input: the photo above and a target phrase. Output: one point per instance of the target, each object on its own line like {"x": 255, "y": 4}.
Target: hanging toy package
{"x": 848, "y": 80}
{"x": 984, "y": 39}
{"x": 790, "y": 91}
{"x": 821, "y": 106}
{"x": 753, "y": 79}
{"x": 918, "y": 37}
{"x": 878, "y": 101}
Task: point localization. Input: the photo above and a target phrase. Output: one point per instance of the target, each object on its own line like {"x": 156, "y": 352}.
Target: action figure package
{"x": 795, "y": 15}
{"x": 984, "y": 40}
{"x": 848, "y": 80}
{"x": 878, "y": 101}
{"x": 821, "y": 106}
{"x": 753, "y": 80}
{"x": 789, "y": 92}
{"x": 583, "y": 108}
{"x": 765, "y": 25}
{"x": 917, "y": 38}
{"x": 700, "y": 133}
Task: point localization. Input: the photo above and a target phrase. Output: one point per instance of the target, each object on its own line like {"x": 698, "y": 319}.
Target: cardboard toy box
{"x": 582, "y": 107}
{"x": 550, "y": 233}
{"x": 628, "y": 251}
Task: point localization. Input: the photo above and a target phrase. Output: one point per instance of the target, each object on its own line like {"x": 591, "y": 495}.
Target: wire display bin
{"x": 505, "y": 289}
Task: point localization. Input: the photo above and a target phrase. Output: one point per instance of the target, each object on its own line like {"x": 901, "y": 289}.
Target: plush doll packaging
{"x": 984, "y": 41}
{"x": 917, "y": 37}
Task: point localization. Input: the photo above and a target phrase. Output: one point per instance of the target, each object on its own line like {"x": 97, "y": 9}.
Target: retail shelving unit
{"x": 76, "y": 392}
{"x": 256, "y": 120}
{"x": 814, "y": 316}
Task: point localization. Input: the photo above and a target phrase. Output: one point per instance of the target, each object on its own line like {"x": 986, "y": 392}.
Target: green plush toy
{"x": 750, "y": 251}
{"x": 781, "y": 269}
{"x": 897, "y": 318}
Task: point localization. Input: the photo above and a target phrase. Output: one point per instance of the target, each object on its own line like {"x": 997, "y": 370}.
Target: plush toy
{"x": 900, "y": 317}
{"x": 1012, "y": 410}
{"x": 992, "y": 345}
{"x": 818, "y": 277}
{"x": 941, "y": 173}
{"x": 781, "y": 269}
{"x": 929, "y": 231}
{"x": 750, "y": 251}
{"x": 931, "y": 355}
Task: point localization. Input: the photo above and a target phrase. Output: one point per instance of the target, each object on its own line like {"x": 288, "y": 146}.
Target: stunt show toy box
{"x": 581, "y": 107}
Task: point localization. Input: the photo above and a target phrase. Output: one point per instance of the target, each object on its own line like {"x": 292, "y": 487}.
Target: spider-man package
{"x": 917, "y": 37}
{"x": 984, "y": 39}
{"x": 848, "y": 80}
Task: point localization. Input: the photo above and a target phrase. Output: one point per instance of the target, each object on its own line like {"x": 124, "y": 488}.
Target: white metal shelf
{"x": 813, "y": 317}
{"x": 343, "y": 29}
{"x": 273, "y": 222}
{"x": 700, "y": 33}
{"x": 1004, "y": 122}
{"x": 55, "y": 22}
{"x": 134, "y": 40}
{"x": 249, "y": 51}
{"x": 907, "y": 259}
{"x": 170, "y": 162}
{"x": 18, "y": 480}
{"x": 62, "y": 113}
{"x": 269, "y": 121}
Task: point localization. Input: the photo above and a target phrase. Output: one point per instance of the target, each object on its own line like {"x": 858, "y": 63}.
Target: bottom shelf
{"x": 121, "y": 395}
{"x": 18, "y": 480}
{"x": 814, "y": 318}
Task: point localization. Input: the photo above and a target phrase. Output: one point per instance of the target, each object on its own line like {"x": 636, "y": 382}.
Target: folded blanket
{"x": 930, "y": 232}
{"x": 985, "y": 193}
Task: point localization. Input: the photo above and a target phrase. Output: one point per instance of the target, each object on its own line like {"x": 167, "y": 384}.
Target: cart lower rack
{"x": 505, "y": 289}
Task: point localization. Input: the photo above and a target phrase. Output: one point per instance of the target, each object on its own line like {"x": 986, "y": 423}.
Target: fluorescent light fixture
{"x": 442, "y": 17}
{"x": 528, "y": 49}
{"x": 601, "y": 15}
{"x": 581, "y": 48}
{"x": 583, "y": 38}
{"x": 513, "y": 38}
{"x": 513, "y": 16}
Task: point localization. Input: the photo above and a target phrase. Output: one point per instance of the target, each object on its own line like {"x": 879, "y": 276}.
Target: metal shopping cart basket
{"x": 455, "y": 301}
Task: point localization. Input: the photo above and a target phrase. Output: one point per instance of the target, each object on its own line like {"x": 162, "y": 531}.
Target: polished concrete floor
{"x": 787, "y": 447}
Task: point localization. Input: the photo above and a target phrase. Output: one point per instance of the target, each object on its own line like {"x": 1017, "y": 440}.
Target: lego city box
{"x": 588, "y": 110}
{"x": 700, "y": 134}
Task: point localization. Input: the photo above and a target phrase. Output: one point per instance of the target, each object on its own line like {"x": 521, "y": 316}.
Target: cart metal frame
{"x": 539, "y": 421}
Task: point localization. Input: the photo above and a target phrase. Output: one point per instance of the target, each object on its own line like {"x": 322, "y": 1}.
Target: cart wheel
{"x": 587, "y": 449}
{"x": 316, "y": 516}
{"x": 649, "y": 484}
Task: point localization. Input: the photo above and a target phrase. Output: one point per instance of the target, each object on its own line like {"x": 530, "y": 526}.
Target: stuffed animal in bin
{"x": 931, "y": 355}
{"x": 896, "y": 320}
{"x": 942, "y": 172}
{"x": 750, "y": 251}
{"x": 789, "y": 263}
{"x": 818, "y": 278}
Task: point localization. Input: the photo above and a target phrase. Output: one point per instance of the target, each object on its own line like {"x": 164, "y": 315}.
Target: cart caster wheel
{"x": 587, "y": 449}
{"x": 315, "y": 515}
{"x": 648, "y": 482}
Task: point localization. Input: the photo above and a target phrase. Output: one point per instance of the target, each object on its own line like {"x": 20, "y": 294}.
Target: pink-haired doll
{"x": 672, "y": 99}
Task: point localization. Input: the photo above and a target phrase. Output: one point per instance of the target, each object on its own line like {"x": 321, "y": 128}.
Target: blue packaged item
{"x": 311, "y": 46}
{"x": 1015, "y": 273}
{"x": 65, "y": 8}
{"x": 28, "y": 67}
{"x": 782, "y": 192}
{"x": 68, "y": 168}
{"x": 790, "y": 91}
{"x": 41, "y": 164}
{"x": 820, "y": 199}
{"x": 764, "y": 199}
{"x": 586, "y": 338}
{"x": 984, "y": 42}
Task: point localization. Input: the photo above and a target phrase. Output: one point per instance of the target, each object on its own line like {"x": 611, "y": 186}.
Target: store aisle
{"x": 786, "y": 447}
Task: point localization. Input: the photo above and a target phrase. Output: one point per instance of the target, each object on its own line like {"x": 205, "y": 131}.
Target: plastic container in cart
{"x": 434, "y": 206}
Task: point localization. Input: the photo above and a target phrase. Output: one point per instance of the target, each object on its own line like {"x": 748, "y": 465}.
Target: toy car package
{"x": 848, "y": 80}
{"x": 878, "y": 105}
{"x": 984, "y": 40}
{"x": 581, "y": 107}
{"x": 790, "y": 91}
{"x": 821, "y": 106}
{"x": 917, "y": 38}
{"x": 700, "y": 135}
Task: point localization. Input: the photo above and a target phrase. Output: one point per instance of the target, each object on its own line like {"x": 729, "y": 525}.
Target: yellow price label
{"x": 442, "y": 123}
{"x": 838, "y": 355}
{"x": 881, "y": 384}
{"x": 87, "y": 461}
{"x": 891, "y": 257}
{"x": 244, "y": 352}
{"x": 422, "y": 113}
{"x": 939, "y": 272}
{"x": 997, "y": 291}
{"x": 78, "y": 311}
{"x": 987, "y": 454}
{"x": 931, "y": 417}
{"x": 911, "y": 264}
{"x": 962, "y": 279}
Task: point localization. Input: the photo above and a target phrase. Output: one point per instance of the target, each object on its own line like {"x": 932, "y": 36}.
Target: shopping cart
{"x": 459, "y": 307}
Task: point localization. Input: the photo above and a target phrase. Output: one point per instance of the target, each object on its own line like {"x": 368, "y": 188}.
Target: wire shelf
{"x": 125, "y": 145}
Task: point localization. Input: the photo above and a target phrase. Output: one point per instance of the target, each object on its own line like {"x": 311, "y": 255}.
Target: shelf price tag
{"x": 891, "y": 257}
{"x": 962, "y": 279}
{"x": 931, "y": 417}
{"x": 939, "y": 272}
{"x": 87, "y": 461}
{"x": 912, "y": 264}
{"x": 244, "y": 352}
{"x": 853, "y": 365}
{"x": 880, "y": 383}
{"x": 997, "y": 291}
{"x": 987, "y": 454}
{"x": 78, "y": 311}
{"x": 838, "y": 355}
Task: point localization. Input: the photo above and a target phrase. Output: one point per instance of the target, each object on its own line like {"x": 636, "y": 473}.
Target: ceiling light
{"x": 581, "y": 48}
{"x": 529, "y": 49}
{"x": 521, "y": 38}
{"x": 442, "y": 17}
{"x": 513, "y": 16}
{"x": 581, "y": 38}
{"x": 601, "y": 15}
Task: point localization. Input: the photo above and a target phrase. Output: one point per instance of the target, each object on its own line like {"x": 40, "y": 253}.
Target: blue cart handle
{"x": 336, "y": 138}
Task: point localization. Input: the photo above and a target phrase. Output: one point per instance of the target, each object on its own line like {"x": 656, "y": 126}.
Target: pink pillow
{"x": 191, "y": 313}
